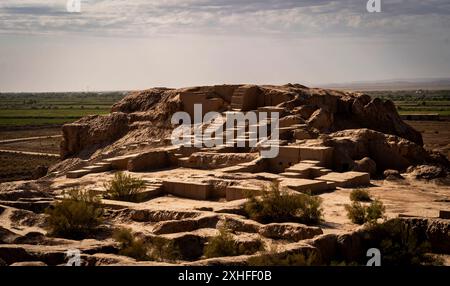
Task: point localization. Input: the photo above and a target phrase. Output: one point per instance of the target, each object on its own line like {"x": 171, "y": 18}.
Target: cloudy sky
{"x": 135, "y": 44}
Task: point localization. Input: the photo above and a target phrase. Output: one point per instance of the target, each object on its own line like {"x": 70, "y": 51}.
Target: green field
{"x": 417, "y": 102}
{"x": 36, "y": 109}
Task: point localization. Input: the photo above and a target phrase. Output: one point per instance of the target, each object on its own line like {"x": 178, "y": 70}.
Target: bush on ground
{"x": 161, "y": 249}
{"x": 274, "y": 258}
{"x": 131, "y": 246}
{"x": 221, "y": 245}
{"x": 124, "y": 187}
{"x": 375, "y": 211}
{"x": 224, "y": 244}
{"x": 403, "y": 245}
{"x": 360, "y": 214}
{"x": 360, "y": 195}
{"x": 75, "y": 216}
{"x": 276, "y": 205}
{"x": 356, "y": 212}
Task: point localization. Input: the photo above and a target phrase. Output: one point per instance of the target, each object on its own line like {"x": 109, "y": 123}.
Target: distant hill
{"x": 402, "y": 84}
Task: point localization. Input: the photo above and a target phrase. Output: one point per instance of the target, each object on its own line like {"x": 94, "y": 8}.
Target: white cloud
{"x": 169, "y": 17}
{"x": 148, "y": 43}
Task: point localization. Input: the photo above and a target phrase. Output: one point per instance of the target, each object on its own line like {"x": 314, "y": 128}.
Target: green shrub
{"x": 156, "y": 249}
{"x": 75, "y": 216}
{"x": 403, "y": 245}
{"x": 356, "y": 212}
{"x": 124, "y": 187}
{"x": 225, "y": 245}
{"x": 375, "y": 211}
{"x": 311, "y": 211}
{"x": 130, "y": 246}
{"x": 277, "y": 205}
{"x": 221, "y": 245}
{"x": 274, "y": 258}
{"x": 361, "y": 214}
{"x": 360, "y": 195}
{"x": 161, "y": 249}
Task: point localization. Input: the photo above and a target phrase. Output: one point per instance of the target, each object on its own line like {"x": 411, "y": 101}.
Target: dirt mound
{"x": 140, "y": 100}
{"x": 93, "y": 131}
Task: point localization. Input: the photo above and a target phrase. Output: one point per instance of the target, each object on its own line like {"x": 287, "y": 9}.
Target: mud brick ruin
{"x": 329, "y": 142}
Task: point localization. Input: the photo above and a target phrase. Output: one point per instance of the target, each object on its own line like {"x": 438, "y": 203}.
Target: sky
{"x": 137, "y": 44}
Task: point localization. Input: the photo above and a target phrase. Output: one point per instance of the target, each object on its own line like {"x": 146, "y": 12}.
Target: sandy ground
{"x": 403, "y": 197}
{"x": 435, "y": 134}
{"x": 19, "y": 166}
{"x": 23, "y": 132}
{"x": 406, "y": 197}
{"x": 36, "y": 144}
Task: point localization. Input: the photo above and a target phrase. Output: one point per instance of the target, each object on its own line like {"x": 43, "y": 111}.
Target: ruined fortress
{"x": 328, "y": 142}
{"x": 327, "y": 139}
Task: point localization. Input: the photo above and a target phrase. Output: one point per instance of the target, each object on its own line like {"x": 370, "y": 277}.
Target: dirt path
{"x": 28, "y": 139}
{"x": 29, "y": 153}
